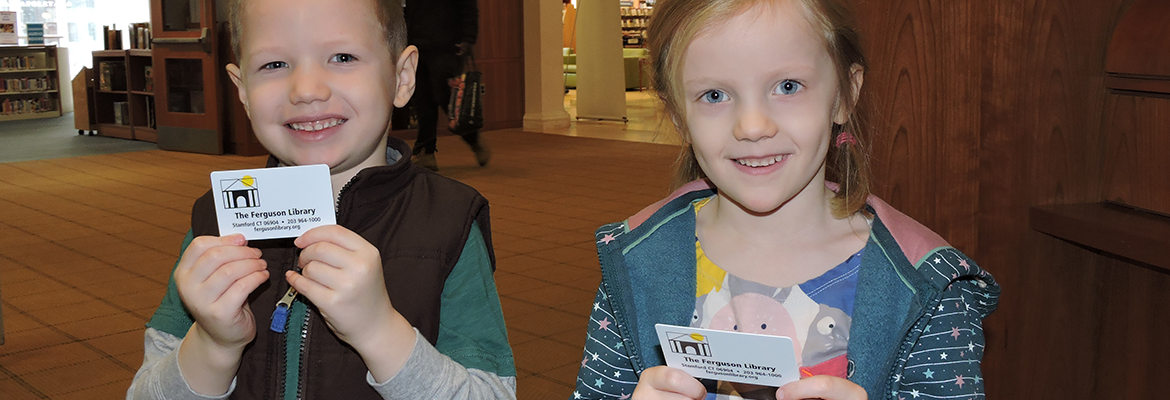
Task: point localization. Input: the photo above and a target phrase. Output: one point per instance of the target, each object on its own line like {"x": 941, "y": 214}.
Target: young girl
{"x": 764, "y": 93}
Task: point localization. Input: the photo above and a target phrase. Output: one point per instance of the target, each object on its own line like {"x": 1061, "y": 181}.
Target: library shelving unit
{"x": 634, "y": 24}
{"x": 30, "y": 83}
{"x": 123, "y": 102}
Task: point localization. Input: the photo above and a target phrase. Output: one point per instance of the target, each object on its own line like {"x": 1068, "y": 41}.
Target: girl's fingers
{"x": 821, "y": 387}
{"x": 666, "y": 382}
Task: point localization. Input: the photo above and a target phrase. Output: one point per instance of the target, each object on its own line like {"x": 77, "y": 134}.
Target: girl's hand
{"x": 341, "y": 273}
{"x": 821, "y": 387}
{"x": 662, "y": 383}
{"x": 214, "y": 277}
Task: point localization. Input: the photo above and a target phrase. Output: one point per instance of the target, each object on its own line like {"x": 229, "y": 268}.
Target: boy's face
{"x": 317, "y": 81}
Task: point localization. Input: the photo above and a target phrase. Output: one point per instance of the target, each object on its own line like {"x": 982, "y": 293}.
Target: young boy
{"x": 397, "y": 300}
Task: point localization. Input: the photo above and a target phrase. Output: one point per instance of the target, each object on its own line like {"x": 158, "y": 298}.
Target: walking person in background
{"x": 444, "y": 32}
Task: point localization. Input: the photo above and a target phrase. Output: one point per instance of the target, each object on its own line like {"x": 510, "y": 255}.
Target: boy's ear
{"x": 235, "y": 73}
{"x": 856, "y": 79}
{"x": 407, "y": 65}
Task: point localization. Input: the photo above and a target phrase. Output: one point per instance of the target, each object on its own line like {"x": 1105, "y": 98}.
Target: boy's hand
{"x": 662, "y": 382}
{"x": 821, "y": 387}
{"x": 214, "y": 278}
{"x": 341, "y": 273}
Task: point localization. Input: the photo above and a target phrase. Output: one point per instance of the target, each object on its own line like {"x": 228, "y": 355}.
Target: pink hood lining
{"x": 915, "y": 240}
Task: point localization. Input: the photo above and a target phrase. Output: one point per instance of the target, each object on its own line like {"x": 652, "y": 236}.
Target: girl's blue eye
{"x": 788, "y": 87}
{"x": 714, "y": 96}
{"x": 274, "y": 65}
{"x": 344, "y": 58}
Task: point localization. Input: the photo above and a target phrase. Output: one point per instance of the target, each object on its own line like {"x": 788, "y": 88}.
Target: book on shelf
{"x": 121, "y": 113}
{"x": 148, "y": 78}
{"x": 25, "y": 85}
{"x": 18, "y": 62}
{"x": 140, "y": 35}
{"x": 26, "y": 106}
{"x": 150, "y": 114}
{"x": 111, "y": 75}
{"x": 36, "y": 33}
{"x": 113, "y": 37}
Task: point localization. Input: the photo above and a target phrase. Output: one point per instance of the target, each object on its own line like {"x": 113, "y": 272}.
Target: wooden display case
{"x": 29, "y": 83}
{"x": 123, "y": 101}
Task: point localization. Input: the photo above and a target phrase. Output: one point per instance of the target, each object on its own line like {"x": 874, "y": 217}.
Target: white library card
{"x": 272, "y": 203}
{"x": 729, "y": 356}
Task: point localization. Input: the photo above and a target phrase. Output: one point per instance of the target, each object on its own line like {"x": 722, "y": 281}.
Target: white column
{"x": 601, "y": 79}
{"x": 544, "y": 84}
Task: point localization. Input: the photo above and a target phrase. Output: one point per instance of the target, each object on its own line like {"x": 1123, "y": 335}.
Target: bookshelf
{"x": 29, "y": 83}
{"x": 123, "y": 101}
{"x": 634, "y": 24}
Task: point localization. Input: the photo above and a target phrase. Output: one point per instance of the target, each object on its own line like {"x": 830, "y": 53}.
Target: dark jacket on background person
{"x": 441, "y": 24}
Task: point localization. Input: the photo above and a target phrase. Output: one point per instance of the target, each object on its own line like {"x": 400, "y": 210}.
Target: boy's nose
{"x": 754, "y": 123}
{"x": 308, "y": 86}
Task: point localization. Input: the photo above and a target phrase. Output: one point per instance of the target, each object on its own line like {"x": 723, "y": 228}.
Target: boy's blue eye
{"x": 343, "y": 58}
{"x": 788, "y": 87}
{"x": 274, "y": 65}
{"x": 714, "y": 96}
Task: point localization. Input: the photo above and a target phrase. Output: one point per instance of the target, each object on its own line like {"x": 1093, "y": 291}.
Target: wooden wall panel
{"x": 499, "y": 52}
{"x": 1136, "y": 135}
{"x": 923, "y": 79}
{"x": 988, "y": 108}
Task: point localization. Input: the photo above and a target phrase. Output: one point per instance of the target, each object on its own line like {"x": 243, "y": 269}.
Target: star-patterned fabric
{"x": 944, "y": 362}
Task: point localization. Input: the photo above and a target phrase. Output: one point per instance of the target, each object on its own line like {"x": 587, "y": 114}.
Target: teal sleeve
{"x": 471, "y": 322}
{"x": 172, "y": 316}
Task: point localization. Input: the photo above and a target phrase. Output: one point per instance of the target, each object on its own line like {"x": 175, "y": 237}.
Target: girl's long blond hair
{"x": 676, "y": 23}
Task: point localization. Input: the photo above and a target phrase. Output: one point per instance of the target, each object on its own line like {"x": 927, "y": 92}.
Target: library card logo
{"x": 689, "y": 343}
{"x": 240, "y": 193}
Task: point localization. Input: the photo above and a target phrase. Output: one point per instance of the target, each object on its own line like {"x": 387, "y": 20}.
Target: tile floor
{"x": 87, "y": 244}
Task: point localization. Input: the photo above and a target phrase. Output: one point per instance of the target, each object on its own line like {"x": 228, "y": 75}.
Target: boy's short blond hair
{"x": 388, "y": 12}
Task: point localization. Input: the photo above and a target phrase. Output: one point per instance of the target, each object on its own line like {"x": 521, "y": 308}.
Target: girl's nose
{"x": 308, "y": 85}
{"x": 754, "y": 124}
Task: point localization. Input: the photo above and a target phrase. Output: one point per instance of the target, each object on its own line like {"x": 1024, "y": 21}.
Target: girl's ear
{"x": 856, "y": 78}
{"x": 406, "y": 68}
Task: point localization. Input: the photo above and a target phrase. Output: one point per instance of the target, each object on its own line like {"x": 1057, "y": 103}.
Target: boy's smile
{"x": 318, "y": 81}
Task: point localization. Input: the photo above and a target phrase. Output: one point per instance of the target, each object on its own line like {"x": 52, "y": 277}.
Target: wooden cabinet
{"x": 29, "y": 83}
{"x": 123, "y": 101}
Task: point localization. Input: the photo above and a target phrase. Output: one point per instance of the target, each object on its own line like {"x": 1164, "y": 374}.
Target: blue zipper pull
{"x": 280, "y": 315}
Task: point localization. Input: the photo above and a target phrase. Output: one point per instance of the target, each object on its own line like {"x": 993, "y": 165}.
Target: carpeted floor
{"x": 87, "y": 244}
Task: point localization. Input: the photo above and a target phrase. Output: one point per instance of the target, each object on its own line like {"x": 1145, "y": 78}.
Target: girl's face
{"x": 759, "y": 92}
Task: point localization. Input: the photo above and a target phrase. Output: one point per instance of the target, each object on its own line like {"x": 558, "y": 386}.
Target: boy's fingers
{"x": 335, "y": 234}
{"x": 821, "y": 387}
{"x": 237, "y": 294}
{"x": 228, "y": 274}
{"x": 312, "y": 290}
{"x": 325, "y": 252}
{"x": 323, "y": 274}
{"x": 212, "y": 259}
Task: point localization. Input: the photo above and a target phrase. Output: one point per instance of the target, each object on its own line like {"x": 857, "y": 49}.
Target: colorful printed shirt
{"x": 815, "y": 314}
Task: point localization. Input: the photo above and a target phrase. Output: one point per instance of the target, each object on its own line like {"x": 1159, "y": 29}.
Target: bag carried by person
{"x": 465, "y": 109}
